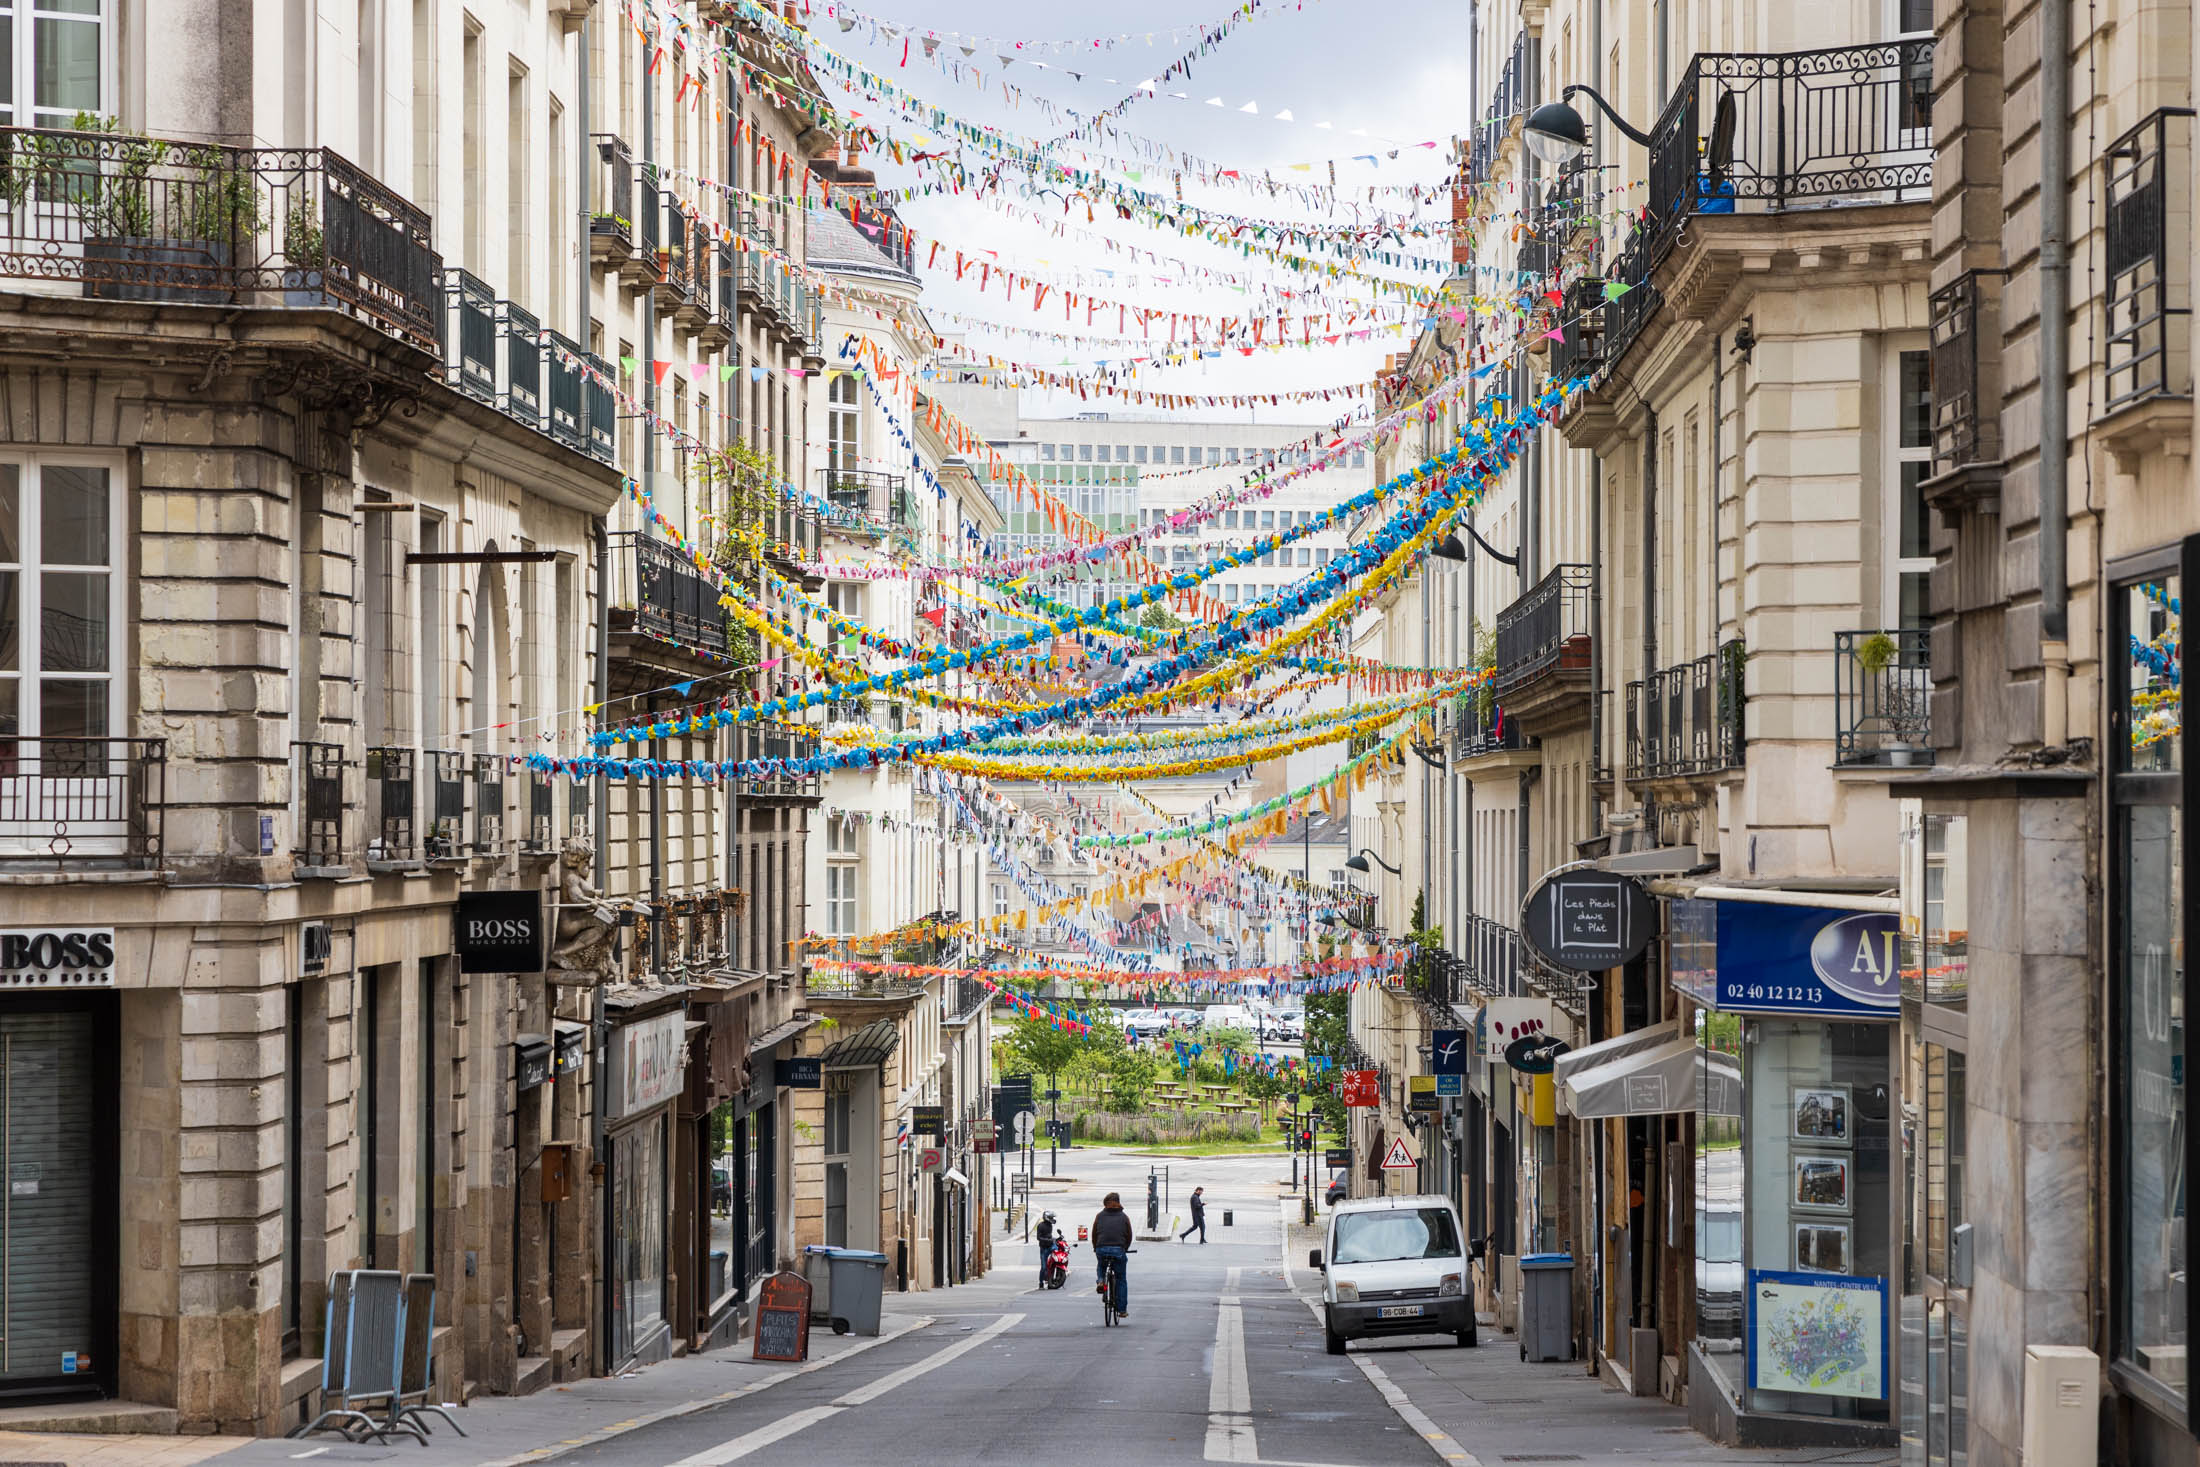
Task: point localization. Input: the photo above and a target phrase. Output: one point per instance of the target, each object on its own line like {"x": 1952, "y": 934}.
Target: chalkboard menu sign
{"x": 1588, "y": 920}
{"x": 783, "y": 1318}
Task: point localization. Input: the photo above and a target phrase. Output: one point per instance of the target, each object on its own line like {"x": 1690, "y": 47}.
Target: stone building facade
{"x": 312, "y": 486}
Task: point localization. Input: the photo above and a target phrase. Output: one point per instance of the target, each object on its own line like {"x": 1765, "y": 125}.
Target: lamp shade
{"x": 1554, "y": 132}
{"x": 1357, "y": 863}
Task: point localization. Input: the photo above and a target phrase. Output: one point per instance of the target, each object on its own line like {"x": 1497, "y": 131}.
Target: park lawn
{"x": 1262, "y": 1147}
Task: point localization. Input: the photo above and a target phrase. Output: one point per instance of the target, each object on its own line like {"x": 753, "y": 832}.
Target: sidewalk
{"x": 507, "y": 1431}
{"x": 1486, "y": 1405}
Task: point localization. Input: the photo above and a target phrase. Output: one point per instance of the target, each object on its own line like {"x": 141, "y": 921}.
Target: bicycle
{"x": 1117, "y": 1272}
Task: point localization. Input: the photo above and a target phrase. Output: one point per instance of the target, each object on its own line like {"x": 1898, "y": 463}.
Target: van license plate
{"x": 1399, "y": 1311}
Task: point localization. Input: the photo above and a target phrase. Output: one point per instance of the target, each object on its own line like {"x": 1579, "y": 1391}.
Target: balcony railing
{"x": 392, "y": 814}
{"x": 678, "y": 238}
{"x": 1547, "y": 628}
{"x": 2147, "y": 293}
{"x": 1476, "y": 731}
{"x": 541, "y": 835}
{"x": 776, "y": 742}
{"x": 320, "y": 792}
{"x": 493, "y": 351}
{"x": 1687, "y": 720}
{"x": 1966, "y": 410}
{"x": 151, "y": 219}
{"x": 1883, "y": 697}
{"x": 72, "y": 801}
{"x": 611, "y": 229}
{"x": 446, "y": 770}
{"x": 673, "y": 601}
{"x": 1508, "y": 99}
{"x": 1808, "y": 128}
{"x": 1492, "y": 957}
{"x": 488, "y": 832}
{"x": 867, "y": 499}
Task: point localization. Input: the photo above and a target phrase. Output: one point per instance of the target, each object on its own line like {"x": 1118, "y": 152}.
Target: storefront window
{"x": 2149, "y": 988}
{"x": 1719, "y": 1188}
{"x": 724, "y": 1257}
{"x": 638, "y": 1207}
{"x": 1819, "y": 1097}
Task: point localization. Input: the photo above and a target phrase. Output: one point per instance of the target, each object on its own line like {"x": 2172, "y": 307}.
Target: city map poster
{"x": 1818, "y": 1335}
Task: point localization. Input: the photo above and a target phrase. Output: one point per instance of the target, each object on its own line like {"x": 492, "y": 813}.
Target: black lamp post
{"x": 1555, "y": 133}
{"x": 1359, "y": 863}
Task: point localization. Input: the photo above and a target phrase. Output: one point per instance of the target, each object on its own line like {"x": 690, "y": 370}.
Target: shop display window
{"x": 2149, "y": 1147}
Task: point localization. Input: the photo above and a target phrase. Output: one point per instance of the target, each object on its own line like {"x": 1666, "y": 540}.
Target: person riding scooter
{"x": 1049, "y": 1233}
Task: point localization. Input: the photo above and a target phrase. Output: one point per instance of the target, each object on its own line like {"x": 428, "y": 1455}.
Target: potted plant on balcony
{"x": 1905, "y": 704}
{"x": 162, "y": 222}
{"x": 305, "y": 248}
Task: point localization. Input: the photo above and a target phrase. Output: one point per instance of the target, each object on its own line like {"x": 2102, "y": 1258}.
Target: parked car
{"x": 1340, "y": 1185}
{"x": 1394, "y": 1266}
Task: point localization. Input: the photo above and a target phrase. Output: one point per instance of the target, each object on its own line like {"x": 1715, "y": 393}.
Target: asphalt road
{"x": 1218, "y": 1361}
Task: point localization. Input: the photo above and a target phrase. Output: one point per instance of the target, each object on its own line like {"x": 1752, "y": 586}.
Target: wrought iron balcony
{"x": 611, "y": 229}
{"x": 132, "y": 218}
{"x": 1810, "y": 129}
{"x": 674, "y": 602}
{"x": 488, "y": 782}
{"x": 1492, "y": 957}
{"x": 868, "y": 500}
{"x": 2147, "y": 293}
{"x": 70, "y": 802}
{"x": 1966, "y": 409}
{"x": 1477, "y": 730}
{"x": 540, "y": 837}
{"x": 1546, "y": 630}
{"x": 1508, "y": 99}
{"x": 495, "y": 353}
{"x": 782, "y": 744}
{"x": 446, "y": 771}
{"x": 393, "y": 834}
{"x": 1883, "y": 698}
{"x": 320, "y": 808}
{"x": 1687, "y": 720}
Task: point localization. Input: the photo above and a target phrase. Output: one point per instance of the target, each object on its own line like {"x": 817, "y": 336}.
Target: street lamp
{"x": 1359, "y": 863}
{"x": 1554, "y": 132}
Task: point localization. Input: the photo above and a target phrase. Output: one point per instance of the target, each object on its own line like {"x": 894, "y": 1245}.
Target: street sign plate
{"x": 1025, "y": 1123}
{"x": 1451, "y": 1084}
{"x": 1336, "y": 1156}
{"x": 1420, "y": 1092}
{"x": 1399, "y": 1158}
{"x": 1362, "y": 1087}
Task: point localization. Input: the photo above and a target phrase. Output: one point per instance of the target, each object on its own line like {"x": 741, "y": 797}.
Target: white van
{"x": 1394, "y": 1266}
{"x": 1228, "y": 1016}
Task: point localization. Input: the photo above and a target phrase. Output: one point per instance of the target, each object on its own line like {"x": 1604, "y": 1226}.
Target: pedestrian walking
{"x": 1199, "y": 1216}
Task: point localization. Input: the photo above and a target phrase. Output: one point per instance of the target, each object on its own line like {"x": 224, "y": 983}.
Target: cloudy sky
{"x": 1384, "y": 78}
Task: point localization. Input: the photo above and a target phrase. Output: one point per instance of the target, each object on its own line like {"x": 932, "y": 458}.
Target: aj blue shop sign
{"x": 1756, "y": 957}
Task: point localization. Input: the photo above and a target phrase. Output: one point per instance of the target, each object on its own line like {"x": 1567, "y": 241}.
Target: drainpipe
{"x": 1599, "y": 709}
{"x": 1649, "y": 546}
{"x": 649, "y": 465}
{"x": 2054, "y": 370}
{"x": 600, "y": 1020}
{"x": 1718, "y": 395}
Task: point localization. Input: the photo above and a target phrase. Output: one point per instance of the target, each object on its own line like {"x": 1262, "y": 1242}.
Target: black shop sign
{"x": 498, "y": 931}
{"x": 1586, "y": 920}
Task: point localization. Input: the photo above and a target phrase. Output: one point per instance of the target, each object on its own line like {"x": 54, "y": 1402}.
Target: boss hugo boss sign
{"x": 82, "y": 957}
{"x": 499, "y": 931}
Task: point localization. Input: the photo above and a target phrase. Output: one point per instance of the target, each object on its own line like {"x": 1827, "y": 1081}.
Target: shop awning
{"x": 870, "y": 1045}
{"x": 1604, "y": 1051}
{"x": 1648, "y": 1082}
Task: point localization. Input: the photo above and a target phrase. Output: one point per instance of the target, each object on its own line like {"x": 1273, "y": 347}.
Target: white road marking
{"x": 686, "y": 1408}
{"x": 866, "y": 1394}
{"x": 1439, "y": 1441}
{"x": 763, "y": 1436}
{"x": 301, "y": 1456}
{"x": 1229, "y": 1387}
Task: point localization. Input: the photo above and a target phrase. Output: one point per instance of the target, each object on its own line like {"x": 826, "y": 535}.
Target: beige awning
{"x": 1648, "y": 1082}
{"x": 1604, "y": 1051}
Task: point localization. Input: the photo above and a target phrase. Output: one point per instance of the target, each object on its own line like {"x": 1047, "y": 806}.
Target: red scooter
{"x": 1055, "y": 1271}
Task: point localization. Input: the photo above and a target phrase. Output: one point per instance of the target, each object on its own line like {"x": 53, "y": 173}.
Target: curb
{"x": 689, "y": 1408}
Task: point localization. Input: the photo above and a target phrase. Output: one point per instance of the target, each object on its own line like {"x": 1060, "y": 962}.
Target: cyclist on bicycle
{"x": 1111, "y": 1246}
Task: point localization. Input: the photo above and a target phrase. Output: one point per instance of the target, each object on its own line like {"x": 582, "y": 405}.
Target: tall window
{"x": 840, "y": 899}
{"x": 842, "y": 416}
{"x": 53, "y": 61}
{"x": 56, "y": 550}
{"x": 2151, "y": 1149}
{"x": 1910, "y": 550}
